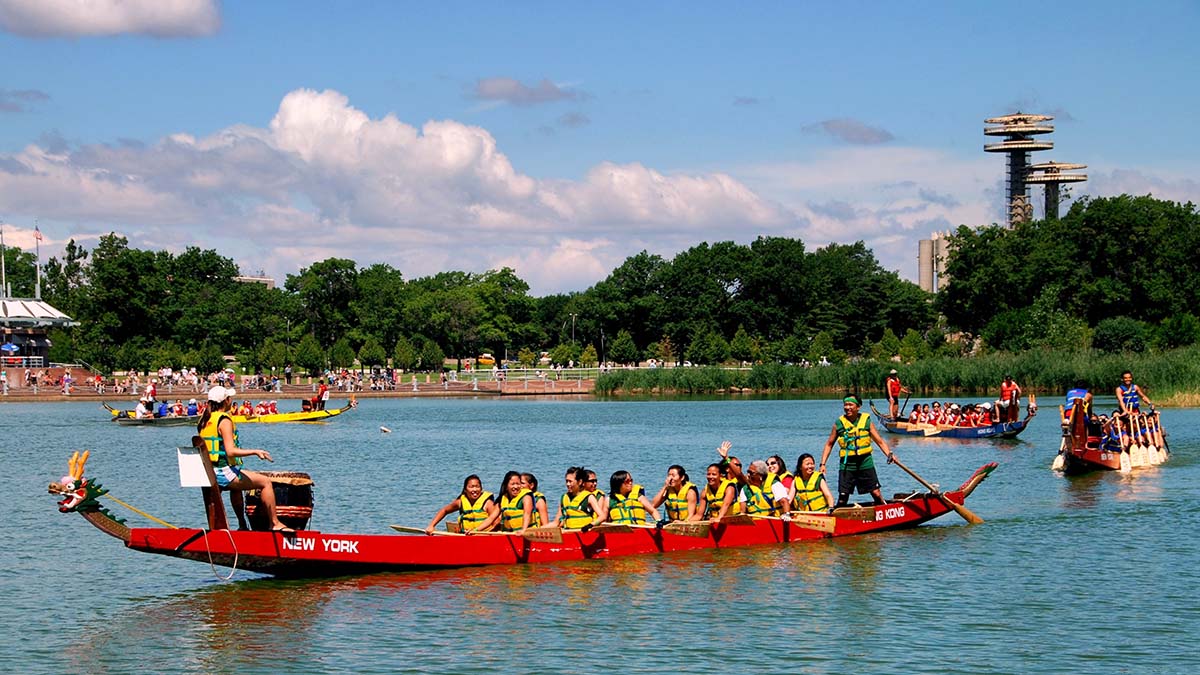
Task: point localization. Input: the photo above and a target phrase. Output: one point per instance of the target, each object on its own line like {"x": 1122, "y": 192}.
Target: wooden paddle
{"x": 419, "y": 530}
{"x": 809, "y": 520}
{"x": 1060, "y": 460}
{"x": 1151, "y": 445}
{"x": 739, "y": 519}
{"x": 1138, "y": 449}
{"x": 1163, "y": 452}
{"x": 1126, "y": 463}
{"x": 958, "y": 508}
{"x": 697, "y": 528}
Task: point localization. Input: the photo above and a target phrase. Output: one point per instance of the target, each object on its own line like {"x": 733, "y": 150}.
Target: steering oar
{"x": 961, "y": 510}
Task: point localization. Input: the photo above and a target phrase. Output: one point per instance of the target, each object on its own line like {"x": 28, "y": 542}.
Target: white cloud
{"x": 72, "y": 18}
{"x": 323, "y": 179}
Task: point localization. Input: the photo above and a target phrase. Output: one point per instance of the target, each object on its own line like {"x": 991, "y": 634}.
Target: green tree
{"x": 888, "y": 345}
{"x": 274, "y": 354}
{"x": 526, "y": 357}
{"x": 405, "y": 355}
{"x": 623, "y": 350}
{"x": 741, "y": 347}
{"x": 1120, "y": 334}
{"x": 913, "y": 347}
{"x": 341, "y": 355}
{"x": 371, "y": 353}
{"x": 327, "y": 290}
{"x": 309, "y": 355}
{"x": 1179, "y": 330}
{"x": 588, "y": 357}
{"x": 432, "y": 356}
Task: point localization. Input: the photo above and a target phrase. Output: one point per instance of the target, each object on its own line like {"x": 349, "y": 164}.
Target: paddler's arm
{"x": 693, "y": 500}
{"x": 650, "y": 508}
{"x": 493, "y": 515}
{"x": 828, "y": 446}
{"x": 526, "y": 512}
{"x": 701, "y": 507}
{"x": 887, "y": 451}
{"x": 445, "y": 510}
{"x": 726, "y": 502}
{"x": 225, "y": 428}
{"x": 599, "y": 510}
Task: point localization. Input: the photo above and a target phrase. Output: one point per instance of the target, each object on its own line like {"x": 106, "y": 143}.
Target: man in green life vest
{"x": 854, "y": 434}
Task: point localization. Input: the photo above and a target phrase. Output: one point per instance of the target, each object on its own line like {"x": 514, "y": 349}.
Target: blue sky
{"x": 561, "y": 138}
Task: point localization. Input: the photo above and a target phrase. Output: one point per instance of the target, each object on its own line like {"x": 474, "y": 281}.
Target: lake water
{"x": 1094, "y": 574}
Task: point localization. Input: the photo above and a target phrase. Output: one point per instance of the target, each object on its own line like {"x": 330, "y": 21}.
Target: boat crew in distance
{"x": 854, "y": 434}
{"x": 1130, "y": 396}
{"x": 474, "y": 506}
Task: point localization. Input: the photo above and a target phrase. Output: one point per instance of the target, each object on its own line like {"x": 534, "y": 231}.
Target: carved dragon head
{"x": 78, "y": 494}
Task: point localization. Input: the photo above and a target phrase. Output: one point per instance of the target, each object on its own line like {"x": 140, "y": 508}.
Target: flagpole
{"x": 3, "y": 273}
{"x": 37, "y": 266}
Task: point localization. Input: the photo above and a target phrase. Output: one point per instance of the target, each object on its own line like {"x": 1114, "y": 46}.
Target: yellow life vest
{"x": 758, "y": 503}
{"x": 713, "y": 501}
{"x": 627, "y": 509}
{"x": 214, "y": 442}
{"x": 772, "y": 477}
{"x": 854, "y": 437}
{"x": 576, "y": 512}
{"x": 536, "y": 518}
{"x": 470, "y": 516}
{"x": 677, "y": 503}
{"x": 808, "y": 495}
{"x": 512, "y": 512}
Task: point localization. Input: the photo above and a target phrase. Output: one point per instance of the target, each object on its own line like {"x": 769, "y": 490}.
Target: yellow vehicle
{"x": 486, "y": 360}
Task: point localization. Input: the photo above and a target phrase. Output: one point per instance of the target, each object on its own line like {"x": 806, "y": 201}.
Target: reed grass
{"x": 1169, "y": 378}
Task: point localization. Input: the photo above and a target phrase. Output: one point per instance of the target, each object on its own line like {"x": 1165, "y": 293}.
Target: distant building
{"x": 23, "y": 324}
{"x": 932, "y": 255}
{"x": 265, "y": 281}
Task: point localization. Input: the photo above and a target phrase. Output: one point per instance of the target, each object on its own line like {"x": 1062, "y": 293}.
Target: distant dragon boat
{"x": 129, "y": 418}
{"x": 1085, "y": 446}
{"x": 310, "y": 553}
{"x": 996, "y": 430}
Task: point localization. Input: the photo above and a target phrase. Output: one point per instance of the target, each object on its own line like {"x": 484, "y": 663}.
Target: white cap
{"x": 190, "y": 401}
{"x": 893, "y": 372}
{"x": 218, "y": 393}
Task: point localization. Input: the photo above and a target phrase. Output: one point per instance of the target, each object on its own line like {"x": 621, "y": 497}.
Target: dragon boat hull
{"x": 127, "y": 418}
{"x": 997, "y": 430}
{"x": 311, "y": 553}
{"x": 1084, "y": 449}
{"x": 297, "y": 416}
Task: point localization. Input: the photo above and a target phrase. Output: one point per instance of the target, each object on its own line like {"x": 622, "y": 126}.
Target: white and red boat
{"x": 311, "y": 553}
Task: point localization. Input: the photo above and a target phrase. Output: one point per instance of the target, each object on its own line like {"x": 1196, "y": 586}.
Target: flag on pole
{"x": 37, "y": 234}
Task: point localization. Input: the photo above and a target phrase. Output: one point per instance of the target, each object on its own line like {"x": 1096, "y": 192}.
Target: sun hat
{"x": 217, "y": 393}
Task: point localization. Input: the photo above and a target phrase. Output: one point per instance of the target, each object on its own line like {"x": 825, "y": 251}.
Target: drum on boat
{"x": 293, "y": 500}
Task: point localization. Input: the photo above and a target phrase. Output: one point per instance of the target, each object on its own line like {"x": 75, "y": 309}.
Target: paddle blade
{"x": 813, "y": 521}
{"x": 410, "y": 530}
{"x": 685, "y": 529}
{"x": 1126, "y": 464}
{"x": 612, "y": 528}
{"x": 547, "y": 534}
{"x": 1060, "y": 462}
{"x": 739, "y": 519}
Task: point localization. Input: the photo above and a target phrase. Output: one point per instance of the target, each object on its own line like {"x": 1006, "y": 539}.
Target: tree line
{"x": 1113, "y": 274}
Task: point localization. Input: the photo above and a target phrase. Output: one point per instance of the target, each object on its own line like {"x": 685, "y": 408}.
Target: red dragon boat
{"x": 311, "y": 553}
{"x": 1086, "y": 448}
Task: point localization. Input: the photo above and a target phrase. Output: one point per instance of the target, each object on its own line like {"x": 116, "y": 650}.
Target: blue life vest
{"x": 1130, "y": 396}
{"x": 1073, "y": 396}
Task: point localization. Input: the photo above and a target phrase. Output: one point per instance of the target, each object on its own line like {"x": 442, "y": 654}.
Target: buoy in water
{"x": 385, "y": 430}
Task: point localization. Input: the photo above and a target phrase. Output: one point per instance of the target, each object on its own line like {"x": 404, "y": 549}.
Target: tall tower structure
{"x": 1018, "y": 130}
{"x": 1051, "y": 175}
{"x": 932, "y": 255}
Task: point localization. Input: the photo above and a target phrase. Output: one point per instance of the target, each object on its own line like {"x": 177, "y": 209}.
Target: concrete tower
{"x": 1018, "y": 130}
{"x": 932, "y": 255}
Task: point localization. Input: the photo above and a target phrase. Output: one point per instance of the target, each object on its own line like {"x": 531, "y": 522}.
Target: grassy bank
{"x": 1169, "y": 377}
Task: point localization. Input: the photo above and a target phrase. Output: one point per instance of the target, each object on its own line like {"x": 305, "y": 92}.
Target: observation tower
{"x": 1018, "y": 130}
{"x": 1051, "y": 175}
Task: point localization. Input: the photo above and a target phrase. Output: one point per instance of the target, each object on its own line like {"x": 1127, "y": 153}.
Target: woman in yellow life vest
{"x": 516, "y": 504}
{"x": 540, "y": 514}
{"x": 810, "y": 491}
{"x": 680, "y": 497}
{"x": 627, "y": 502}
{"x": 220, "y": 437}
{"x": 578, "y": 508}
{"x": 719, "y": 498}
{"x": 474, "y": 506}
{"x": 777, "y": 471}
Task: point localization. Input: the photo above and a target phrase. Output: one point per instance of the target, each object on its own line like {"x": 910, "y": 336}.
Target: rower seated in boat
{"x": 719, "y": 498}
{"x": 540, "y": 514}
{"x": 578, "y": 508}
{"x": 627, "y": 502}
{"x": 516, "y": 506}
{"x": 474, "y": 506}
{"x": 679, "y": 496}
{"x": 810, "y": 490}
